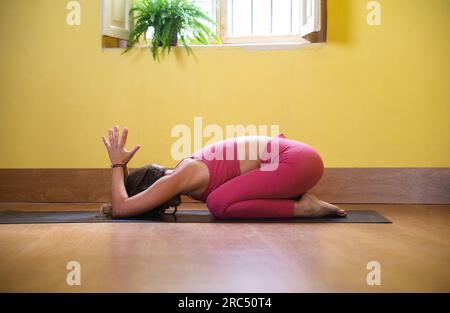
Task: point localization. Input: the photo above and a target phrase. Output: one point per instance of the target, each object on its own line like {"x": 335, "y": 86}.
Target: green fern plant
{"x": 170, "y": 20}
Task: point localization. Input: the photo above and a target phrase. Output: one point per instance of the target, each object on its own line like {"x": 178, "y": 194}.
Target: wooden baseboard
{"x": 385, "y": 185}
{"x": 338, "y": 185}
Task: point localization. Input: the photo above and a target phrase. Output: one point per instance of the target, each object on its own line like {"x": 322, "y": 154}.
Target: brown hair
{"x": 141, "y": 179}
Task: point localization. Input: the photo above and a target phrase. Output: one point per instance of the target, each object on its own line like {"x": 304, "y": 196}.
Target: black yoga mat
{"x": 182, "y": 216}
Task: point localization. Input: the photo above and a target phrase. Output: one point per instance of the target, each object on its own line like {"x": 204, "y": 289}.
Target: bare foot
{"x": 310, "y": 206}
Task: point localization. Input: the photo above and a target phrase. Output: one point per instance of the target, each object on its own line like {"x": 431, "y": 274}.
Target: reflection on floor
{"x": 413, "y": 252}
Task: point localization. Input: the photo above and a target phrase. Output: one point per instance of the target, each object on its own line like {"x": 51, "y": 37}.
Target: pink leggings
{"x": 269, "y": 194}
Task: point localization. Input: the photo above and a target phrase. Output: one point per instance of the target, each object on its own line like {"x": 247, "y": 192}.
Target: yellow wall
{"x": 372, "y": 97}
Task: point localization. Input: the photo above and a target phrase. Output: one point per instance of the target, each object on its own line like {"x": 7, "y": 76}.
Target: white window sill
{"x": 250, "y": 46}
{"x": 259, "y": 46}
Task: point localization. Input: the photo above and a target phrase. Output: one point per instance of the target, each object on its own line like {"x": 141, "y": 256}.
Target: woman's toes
{"x": 333, "y": 209}
{"x": 341, "y": 212}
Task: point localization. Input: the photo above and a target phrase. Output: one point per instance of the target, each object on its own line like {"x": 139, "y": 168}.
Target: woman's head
{"x": 142, "y": 178}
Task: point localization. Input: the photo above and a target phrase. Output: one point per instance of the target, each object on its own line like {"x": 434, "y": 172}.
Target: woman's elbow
{"x": 117, "y": 212}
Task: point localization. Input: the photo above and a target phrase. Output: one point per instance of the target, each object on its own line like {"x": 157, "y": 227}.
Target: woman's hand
{"x": 116, "y": 146}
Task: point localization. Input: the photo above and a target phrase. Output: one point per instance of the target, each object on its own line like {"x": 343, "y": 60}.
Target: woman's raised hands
{"x": 116, "y": 146}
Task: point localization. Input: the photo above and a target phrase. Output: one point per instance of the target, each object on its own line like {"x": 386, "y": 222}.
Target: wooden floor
{"x": 414, "y": 253}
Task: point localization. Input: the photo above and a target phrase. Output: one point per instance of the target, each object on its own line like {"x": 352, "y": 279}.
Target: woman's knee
{"x": 217, "y": 205}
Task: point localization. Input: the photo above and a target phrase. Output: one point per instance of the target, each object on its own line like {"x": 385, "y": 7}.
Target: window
{"x": 264, "y": 21}
{"x": 241, "y": 21}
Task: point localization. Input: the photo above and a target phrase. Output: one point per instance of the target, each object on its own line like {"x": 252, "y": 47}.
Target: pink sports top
{"x": 223, "y": 164}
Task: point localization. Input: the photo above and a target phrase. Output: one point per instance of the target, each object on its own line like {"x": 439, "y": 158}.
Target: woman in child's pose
{"x": 240, "y": 178}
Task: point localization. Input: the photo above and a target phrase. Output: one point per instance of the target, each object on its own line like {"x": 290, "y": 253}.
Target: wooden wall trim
{"x": 385, "y": 185}
{"x": 55, "y": 185}
{"x": 338, "y": 185}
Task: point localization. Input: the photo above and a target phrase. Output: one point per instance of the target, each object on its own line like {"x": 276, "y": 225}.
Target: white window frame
{"x": 309, "y": 24}
{"x": 116, "y": 28}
